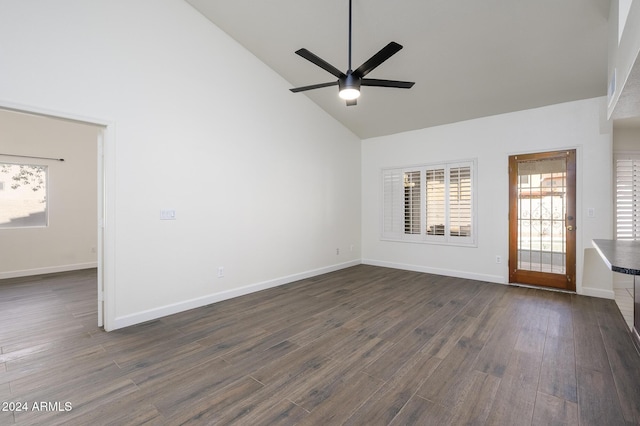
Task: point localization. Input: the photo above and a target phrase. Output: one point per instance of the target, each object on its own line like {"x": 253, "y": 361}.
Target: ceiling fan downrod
{"x": 349, "y": 36}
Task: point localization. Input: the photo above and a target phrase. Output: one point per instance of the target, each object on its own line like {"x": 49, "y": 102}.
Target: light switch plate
{"x": 167, "y": 214}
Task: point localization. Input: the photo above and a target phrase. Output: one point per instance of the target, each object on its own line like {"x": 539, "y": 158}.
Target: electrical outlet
{"x": 220, "y": 271}
{"x": 498, "y": 259}
{"x": 337, "y": 251}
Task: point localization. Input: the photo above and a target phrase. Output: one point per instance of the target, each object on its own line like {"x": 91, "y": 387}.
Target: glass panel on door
{"x": 541, "y": 213}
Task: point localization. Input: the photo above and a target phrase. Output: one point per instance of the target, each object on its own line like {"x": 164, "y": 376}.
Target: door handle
{"x": 569, "y": 228}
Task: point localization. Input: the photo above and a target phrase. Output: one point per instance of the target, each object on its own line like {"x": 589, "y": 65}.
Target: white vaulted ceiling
{"x": 469, "y": 58}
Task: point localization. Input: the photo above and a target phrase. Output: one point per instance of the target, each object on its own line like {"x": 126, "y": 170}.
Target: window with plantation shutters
{"x": 431, "y": 203}
{"x": 627, "y": 170}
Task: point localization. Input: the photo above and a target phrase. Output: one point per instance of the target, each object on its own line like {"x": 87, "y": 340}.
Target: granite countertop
{"x": 620, "y": 256}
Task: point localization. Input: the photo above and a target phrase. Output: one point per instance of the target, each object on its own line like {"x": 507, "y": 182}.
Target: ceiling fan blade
{"x": 352, "y": 102}
{"x": 384, "y": 54}
{"x": 387, "y": 83}
{"x": 320, "y": 62}
{"x": 313, "y": 86}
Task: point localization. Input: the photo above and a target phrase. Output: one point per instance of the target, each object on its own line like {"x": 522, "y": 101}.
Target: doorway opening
{"x": 99, "y": 138}
{"x": 542, "y": 222}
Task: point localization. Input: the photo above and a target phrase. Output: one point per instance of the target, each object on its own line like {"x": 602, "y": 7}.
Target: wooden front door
{"x": 542, "y": 219}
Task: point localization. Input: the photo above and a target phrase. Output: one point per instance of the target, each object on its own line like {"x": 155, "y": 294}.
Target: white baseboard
{"x": 598, "y": 292}
{"x": 47, "y": 270}
{"x": 152, "y": 314}
{"x": 437, "y": 271}
{"x": 586, "y": 291}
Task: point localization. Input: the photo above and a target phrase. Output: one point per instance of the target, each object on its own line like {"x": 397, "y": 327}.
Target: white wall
{"x": 626, "y": 139}
{"x": 581, "y": 125}
{"x": 70, "y": 239}
{"x": 263, "y": 182}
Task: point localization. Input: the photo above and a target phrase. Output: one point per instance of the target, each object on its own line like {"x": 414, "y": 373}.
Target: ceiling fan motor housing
{"x": 350, "y": 81}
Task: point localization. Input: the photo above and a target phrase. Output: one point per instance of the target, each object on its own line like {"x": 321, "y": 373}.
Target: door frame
{"x": 105, "y": 226}
{"x": 519, "y": 276}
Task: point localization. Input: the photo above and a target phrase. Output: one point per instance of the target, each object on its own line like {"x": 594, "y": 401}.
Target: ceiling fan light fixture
{"x": 349, "y": 87}
{"x": 349, "y": 94}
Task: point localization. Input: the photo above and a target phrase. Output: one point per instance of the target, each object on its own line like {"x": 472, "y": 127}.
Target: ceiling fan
{"x": 349, "y": 83}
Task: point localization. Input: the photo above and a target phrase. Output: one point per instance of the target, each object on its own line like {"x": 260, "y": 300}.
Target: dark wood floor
{"x": 362, "y": 346}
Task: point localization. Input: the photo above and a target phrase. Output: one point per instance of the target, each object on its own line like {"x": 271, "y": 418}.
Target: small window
{"x": 431, "y": 203}
{"x": 23, "y": 195}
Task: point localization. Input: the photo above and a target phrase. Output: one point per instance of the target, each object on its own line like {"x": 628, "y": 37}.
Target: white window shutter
{"x": 460, "y": 201}
{"x": 436, "y": 203}
{"x": 627, "y": 197}
{"x": 412, "y": 188}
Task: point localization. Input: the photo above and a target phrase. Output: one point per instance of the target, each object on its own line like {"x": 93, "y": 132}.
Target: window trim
{"x": 392, "y": 203}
